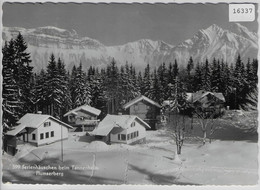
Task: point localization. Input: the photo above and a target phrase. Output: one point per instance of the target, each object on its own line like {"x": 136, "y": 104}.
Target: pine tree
{"x": 206, "y": 83}
{"x": 82, "y": 90}
{"x": 198, "y": 78}
{"x": 240, "y": 82}
{"x": 112, "y": 87}
{"x": 216, "y": 76}
{"x": 175, "y": 69}
{"x": 189, "y": 77}
{"x": 72, "y": 86}
{"x": 23, "y": 72}
{"x": 226, "y": 84}
{"x": 147, "y": 82}
{"x": 163, "y": 80}
{"x": 53, "y": 94}
{"x": 63, "y": 80}
{"x": 39, "y": 91}
{"x": 156, "y": 92}
{"x": 11, "y": 104}
{"x": 139, "y": 82}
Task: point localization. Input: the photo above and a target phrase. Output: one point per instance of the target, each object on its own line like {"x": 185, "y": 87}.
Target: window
{"x": 33, "y": 137}
{"x": 52, "y": 133}
{"x": 137, "y": 133}
{"x": 47, "y": 135}
{"x": 123, "y": 137}
{"x": 41, "y": 136}
{"x": 118, "y": 136}
{"x": 47, "y": 124}
{"x": 133, "y": 124}
{"x": 132, "y": 135}
{"x": 128, "y": 136}
{"x": 71, "y": 117}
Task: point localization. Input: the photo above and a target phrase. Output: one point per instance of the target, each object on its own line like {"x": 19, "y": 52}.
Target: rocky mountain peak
{"x": 206, "y": 43}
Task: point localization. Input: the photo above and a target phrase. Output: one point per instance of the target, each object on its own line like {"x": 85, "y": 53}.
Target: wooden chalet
{"x": 145, "y": 108}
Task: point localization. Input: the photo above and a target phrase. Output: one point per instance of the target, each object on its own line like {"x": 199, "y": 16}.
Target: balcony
{"x": 87, "y": 122}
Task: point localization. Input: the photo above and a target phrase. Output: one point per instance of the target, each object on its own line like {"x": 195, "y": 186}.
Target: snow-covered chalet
{"x": 127, "y": 129}
{"x": 83, "y": 118}
{"x": 36, "y": 129}
{"x": 145, "y": 108}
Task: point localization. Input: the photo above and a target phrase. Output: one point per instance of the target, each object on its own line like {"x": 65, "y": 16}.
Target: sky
{"x": 117, "y": 24}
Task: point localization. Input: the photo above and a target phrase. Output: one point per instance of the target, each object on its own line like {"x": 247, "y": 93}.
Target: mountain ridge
{"x": 73, "y": 49}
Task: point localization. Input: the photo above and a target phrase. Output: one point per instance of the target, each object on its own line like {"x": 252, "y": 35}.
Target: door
{"x": 23, "y": 137}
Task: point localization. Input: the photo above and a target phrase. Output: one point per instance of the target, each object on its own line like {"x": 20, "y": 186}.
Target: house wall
{"x": 55, "y": 127}
{"x": 138, "y": 127}
{"x": 141, "y": 132}
{"x": 114, "y": 135}
{"x": 146, "y": 112}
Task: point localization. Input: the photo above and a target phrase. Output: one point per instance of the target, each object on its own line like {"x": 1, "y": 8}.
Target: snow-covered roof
{"x": 33, "y": 121}
{"x": 120, "y": 121}
{"x": 138, "y": 99}
{"x": 86, "y": 108}
{"x": 194, "y": 97}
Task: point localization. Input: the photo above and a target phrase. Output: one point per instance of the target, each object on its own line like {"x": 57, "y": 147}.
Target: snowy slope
{"x": 207, "y": 43}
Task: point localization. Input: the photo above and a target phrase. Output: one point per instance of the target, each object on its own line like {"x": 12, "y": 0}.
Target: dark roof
{"x": 141, "y": 98}
{"x": 200, "y": 94}
{"x": 86, "y": 108}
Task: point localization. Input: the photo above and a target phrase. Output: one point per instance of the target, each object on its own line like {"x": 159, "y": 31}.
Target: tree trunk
{"x": 178, "y": 149}
{"x": 204, "y": 136}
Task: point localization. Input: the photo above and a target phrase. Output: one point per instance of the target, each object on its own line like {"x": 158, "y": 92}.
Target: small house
{"x": 127, "y": 129}
{"x": 208, "y": 101}
{"x": 83, "y": 118}
{"x": 145, "y": 108}
{"x": 37, "y": 129}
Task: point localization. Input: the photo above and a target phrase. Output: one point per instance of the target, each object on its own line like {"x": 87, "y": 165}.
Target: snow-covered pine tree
{"x": 206, "y": 81}
{"x": 123, "y": 85}
{"x": 95, "y": 83}
{"x": 189, "y": 77}
{"x": 225, "y": 83}
{"x": 216, "y": 76}
{"x": 39, "y": 91}
{"x": 175, "y": 69}
{"x": 255, "y": 69}
{"x": 111, "y": 85}
{"x": 147, "y": 82}
{"x": 135, "y": 91}
{"x": 72, "y": 86}
{"x": 170, "y": 73}
{"x": 239, "y": 83}
{"x": 82, "y": 90}
{"x": 64, "y": 88}
{"x": 198, "y": 78}
{"x": 11, "y": 104}
{"x": 156, "y": 92}
{"x": 23, "y": 73}
{"x": 52, "y": 93}
{"x": 163, "y": 80}
{"x": 139, "y": 82}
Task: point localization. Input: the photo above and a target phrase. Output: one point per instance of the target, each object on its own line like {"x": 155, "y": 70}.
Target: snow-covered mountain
{"x": 208, "y": 43}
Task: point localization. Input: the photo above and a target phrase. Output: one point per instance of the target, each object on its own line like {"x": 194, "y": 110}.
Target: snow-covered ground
{"x": 86, "y": 162}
